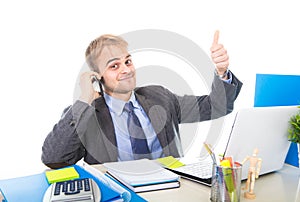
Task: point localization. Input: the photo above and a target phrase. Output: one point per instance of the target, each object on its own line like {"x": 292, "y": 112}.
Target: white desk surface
{"x": 281, "y": 186}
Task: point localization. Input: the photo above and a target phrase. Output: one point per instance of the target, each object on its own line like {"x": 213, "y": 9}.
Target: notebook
{"x": 264, "y": 128}
{"x": 142, "y": 175}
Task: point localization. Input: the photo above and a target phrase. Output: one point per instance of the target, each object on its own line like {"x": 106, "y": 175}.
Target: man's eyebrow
{"x": 113, "y": 59}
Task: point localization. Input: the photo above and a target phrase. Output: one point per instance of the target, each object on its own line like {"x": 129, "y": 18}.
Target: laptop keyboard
{"x": 201, "y": 169}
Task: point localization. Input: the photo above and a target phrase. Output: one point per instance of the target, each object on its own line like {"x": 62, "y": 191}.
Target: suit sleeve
{"x": 218, "y": 103}
{"x": 63, "y": 145}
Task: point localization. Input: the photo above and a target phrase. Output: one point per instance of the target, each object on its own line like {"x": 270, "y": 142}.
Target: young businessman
{"x": 107, "y": 127}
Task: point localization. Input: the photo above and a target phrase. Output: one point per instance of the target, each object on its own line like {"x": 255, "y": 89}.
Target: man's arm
{"x": 63, "y": 145}
{"x": 223, "y": 96}
{"x": 218, "y": 103}
{"x": 224, "y": 91}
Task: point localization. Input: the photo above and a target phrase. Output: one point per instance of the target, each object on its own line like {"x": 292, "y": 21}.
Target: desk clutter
{"x": 226, "y": 182}
{"x": 85, "y": 189}
{"x": 33, "y": 188}
{"x": 65, "y": 186}
{"x": 61, "y": 175}
{"x": 142, "y": 175}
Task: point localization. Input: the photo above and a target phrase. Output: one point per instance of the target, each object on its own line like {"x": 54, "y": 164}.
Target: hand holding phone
{"x": 96, "y": 84}
{"x": 90, "y": 87}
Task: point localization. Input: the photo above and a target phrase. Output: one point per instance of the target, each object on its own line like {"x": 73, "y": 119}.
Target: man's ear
{"x": 102, "y": 80}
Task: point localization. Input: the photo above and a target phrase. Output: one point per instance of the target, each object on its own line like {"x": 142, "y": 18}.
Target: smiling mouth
{"x": 129, "y": 76}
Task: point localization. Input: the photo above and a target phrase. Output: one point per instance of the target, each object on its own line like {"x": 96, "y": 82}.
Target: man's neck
{"x": 121, "y": 96}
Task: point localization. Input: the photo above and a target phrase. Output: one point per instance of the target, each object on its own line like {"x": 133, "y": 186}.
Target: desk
{"x": 281, "y": 186}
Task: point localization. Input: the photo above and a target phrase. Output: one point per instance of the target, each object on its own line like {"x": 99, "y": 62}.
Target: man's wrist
{"x": 222, "y": 76}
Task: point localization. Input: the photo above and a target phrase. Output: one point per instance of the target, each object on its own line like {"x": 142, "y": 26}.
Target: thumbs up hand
{"x": 219, "y": 56}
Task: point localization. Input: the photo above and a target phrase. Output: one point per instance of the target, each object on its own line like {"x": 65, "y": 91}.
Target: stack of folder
{"x": 142, "y": 175}
{"x": 32, "y": 188}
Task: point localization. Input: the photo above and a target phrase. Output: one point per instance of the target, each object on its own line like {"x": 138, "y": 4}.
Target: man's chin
{"x": 122, "y": 90}
{"x": 126, "y": 85}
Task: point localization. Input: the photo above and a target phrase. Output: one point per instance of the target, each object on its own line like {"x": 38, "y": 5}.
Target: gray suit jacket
{"x": 87, "y": 132}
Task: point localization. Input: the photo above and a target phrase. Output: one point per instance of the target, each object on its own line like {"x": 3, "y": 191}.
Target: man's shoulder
{"x": 155, "y": 92}
{"x": 148, "y": 87}
{"x": 151, "y": 89}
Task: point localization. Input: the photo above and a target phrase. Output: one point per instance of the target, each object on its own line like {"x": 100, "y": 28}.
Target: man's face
{"x": 118, "y": 72}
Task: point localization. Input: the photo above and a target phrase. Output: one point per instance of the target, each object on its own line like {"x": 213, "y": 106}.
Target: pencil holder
{"x": 226, "y": 183}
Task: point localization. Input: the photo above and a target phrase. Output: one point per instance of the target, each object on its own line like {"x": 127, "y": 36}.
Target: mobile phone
{"x": 97, "y": 85}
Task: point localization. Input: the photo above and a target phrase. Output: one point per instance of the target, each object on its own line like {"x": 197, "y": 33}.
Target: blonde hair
{"x": 95, "y": 48}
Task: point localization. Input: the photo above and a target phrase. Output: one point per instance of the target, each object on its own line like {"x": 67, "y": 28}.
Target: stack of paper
{"x": 142, "y": 175}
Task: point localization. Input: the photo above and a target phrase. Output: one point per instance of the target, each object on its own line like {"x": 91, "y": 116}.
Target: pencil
{"x": 210, "y": 152}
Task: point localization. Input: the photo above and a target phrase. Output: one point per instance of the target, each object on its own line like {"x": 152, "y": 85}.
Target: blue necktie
{"x": 137, "y": 136}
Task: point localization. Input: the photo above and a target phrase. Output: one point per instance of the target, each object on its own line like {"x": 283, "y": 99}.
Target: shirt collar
{"x": 116, "y": 105}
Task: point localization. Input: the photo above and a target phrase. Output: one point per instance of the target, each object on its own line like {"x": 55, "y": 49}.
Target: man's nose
{"x": 124, "y": 68}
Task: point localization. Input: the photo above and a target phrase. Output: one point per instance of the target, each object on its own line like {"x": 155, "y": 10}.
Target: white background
{"x": 42, "y": 47}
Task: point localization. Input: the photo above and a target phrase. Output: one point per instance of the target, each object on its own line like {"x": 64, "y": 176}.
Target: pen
{"x": 211, "y": 153}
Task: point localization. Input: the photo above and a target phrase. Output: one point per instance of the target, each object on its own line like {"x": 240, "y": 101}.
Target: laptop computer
{"x": 264, "y": 128}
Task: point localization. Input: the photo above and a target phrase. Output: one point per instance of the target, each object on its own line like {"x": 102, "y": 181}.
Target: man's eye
{"x": 114, "y": 66}
{"x": 128, "y": 62}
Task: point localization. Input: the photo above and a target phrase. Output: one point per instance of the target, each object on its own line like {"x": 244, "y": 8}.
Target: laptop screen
{"x": 264, "y": 128}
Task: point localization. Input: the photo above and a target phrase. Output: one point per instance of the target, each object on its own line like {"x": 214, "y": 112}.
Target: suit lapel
{"x": 106, "y": 125}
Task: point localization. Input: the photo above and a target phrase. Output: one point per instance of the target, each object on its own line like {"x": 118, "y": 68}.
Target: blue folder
{"x": 32, "y": 188}
{"x": 279, "y": 90}
{"x": 29, "y": 188}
